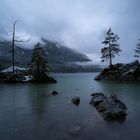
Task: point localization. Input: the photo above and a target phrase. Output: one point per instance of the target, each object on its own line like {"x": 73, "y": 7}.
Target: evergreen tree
{"x": 137, "y": 50}
{"x": 38, "y": 62}
{"x": 111, "y": 47}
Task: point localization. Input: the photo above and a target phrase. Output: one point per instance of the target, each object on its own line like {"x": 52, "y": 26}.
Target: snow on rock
{"x": 10, "y": 69}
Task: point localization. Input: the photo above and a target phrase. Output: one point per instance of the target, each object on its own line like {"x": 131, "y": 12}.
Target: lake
{"x": 27, "y": 113}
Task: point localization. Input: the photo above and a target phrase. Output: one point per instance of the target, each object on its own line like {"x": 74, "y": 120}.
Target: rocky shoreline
{"x": 121, "y": 72}
{"x": 21, "y": 78}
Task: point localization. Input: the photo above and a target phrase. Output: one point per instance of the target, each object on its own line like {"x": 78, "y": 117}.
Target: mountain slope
{"x": 56, "y": 54}
{"x": 22, "y": 56}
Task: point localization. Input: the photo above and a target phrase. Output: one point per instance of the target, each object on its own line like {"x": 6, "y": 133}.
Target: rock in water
{"x": 97, "y": 98}
{"x": 110, "y": 108}
{"x": 76, "y": 100}
{"x": 121, "y": 72}
{"x": 54, "y": 93}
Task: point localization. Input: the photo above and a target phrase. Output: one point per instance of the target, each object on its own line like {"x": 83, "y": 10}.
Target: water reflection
{"x": 38, "y": 99}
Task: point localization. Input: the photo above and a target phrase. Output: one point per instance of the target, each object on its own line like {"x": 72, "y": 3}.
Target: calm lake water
{"x": 27, "y": 113}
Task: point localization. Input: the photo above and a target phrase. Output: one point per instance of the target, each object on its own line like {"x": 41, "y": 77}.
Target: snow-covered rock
{"x": 27, "y": 78}
{"x": 10, "y": 69}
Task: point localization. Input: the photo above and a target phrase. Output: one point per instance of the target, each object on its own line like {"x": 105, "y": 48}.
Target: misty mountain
{"x": 60, "y": 58}
{"x": 60, "y": 54}
{"x": 22, "y": 56}
{"x": 56, "y": 54}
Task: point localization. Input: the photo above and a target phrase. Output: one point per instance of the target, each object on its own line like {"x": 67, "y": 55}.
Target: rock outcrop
{"x": 121, "y": 72}
{"x": 110, "y": 108}
{"x": 43, "y": 78}
{"x": 21, "y": 78}
{"x": 76, "y": 100}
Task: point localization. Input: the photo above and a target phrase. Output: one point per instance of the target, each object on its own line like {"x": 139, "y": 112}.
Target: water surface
{"x": 27, "y": 113}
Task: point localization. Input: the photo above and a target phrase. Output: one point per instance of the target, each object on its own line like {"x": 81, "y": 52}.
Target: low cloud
{"x": 79, "y": 24}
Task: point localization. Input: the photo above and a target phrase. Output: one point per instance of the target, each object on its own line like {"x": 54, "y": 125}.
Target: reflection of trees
{"x": 125, "y": 90}
{"x": 37, "y": 97}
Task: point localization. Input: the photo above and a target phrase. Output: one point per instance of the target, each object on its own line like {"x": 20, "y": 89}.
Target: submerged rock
{"x": 110, "y": 108}
{"x": 76, "y": 100}
{"x": 54, "y": 93}
{"x": 76, "y": 129}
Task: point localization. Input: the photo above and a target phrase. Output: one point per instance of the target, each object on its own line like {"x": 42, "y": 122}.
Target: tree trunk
{"x": 13, "y": 49}
{"x": 110, "y": 57}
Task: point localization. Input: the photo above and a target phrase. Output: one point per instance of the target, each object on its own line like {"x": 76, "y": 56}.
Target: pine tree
{"x": 137, "y": 50}
{"x": 38, "y": 62}
{"x": 111, "y": 47}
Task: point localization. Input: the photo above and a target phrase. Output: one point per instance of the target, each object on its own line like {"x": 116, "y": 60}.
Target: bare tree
{"x": 15, "y": 39}
{"x": 13, "y": 46}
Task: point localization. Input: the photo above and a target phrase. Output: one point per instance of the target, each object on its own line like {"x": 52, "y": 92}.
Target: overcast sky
{"x": 80, "y": 24}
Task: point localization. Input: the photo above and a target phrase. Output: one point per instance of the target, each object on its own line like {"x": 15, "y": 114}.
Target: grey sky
{"x": 80, "y": 24}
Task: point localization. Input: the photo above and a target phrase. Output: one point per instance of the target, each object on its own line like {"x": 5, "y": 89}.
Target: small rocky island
{"x": 26, "y": 78}
{"x": 110, "y": 108}
{"x": 38, "y": 70}
{"x": 121, "y": 72}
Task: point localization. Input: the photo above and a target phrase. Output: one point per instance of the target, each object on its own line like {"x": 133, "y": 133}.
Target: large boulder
{"x": 110, "y": 108}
